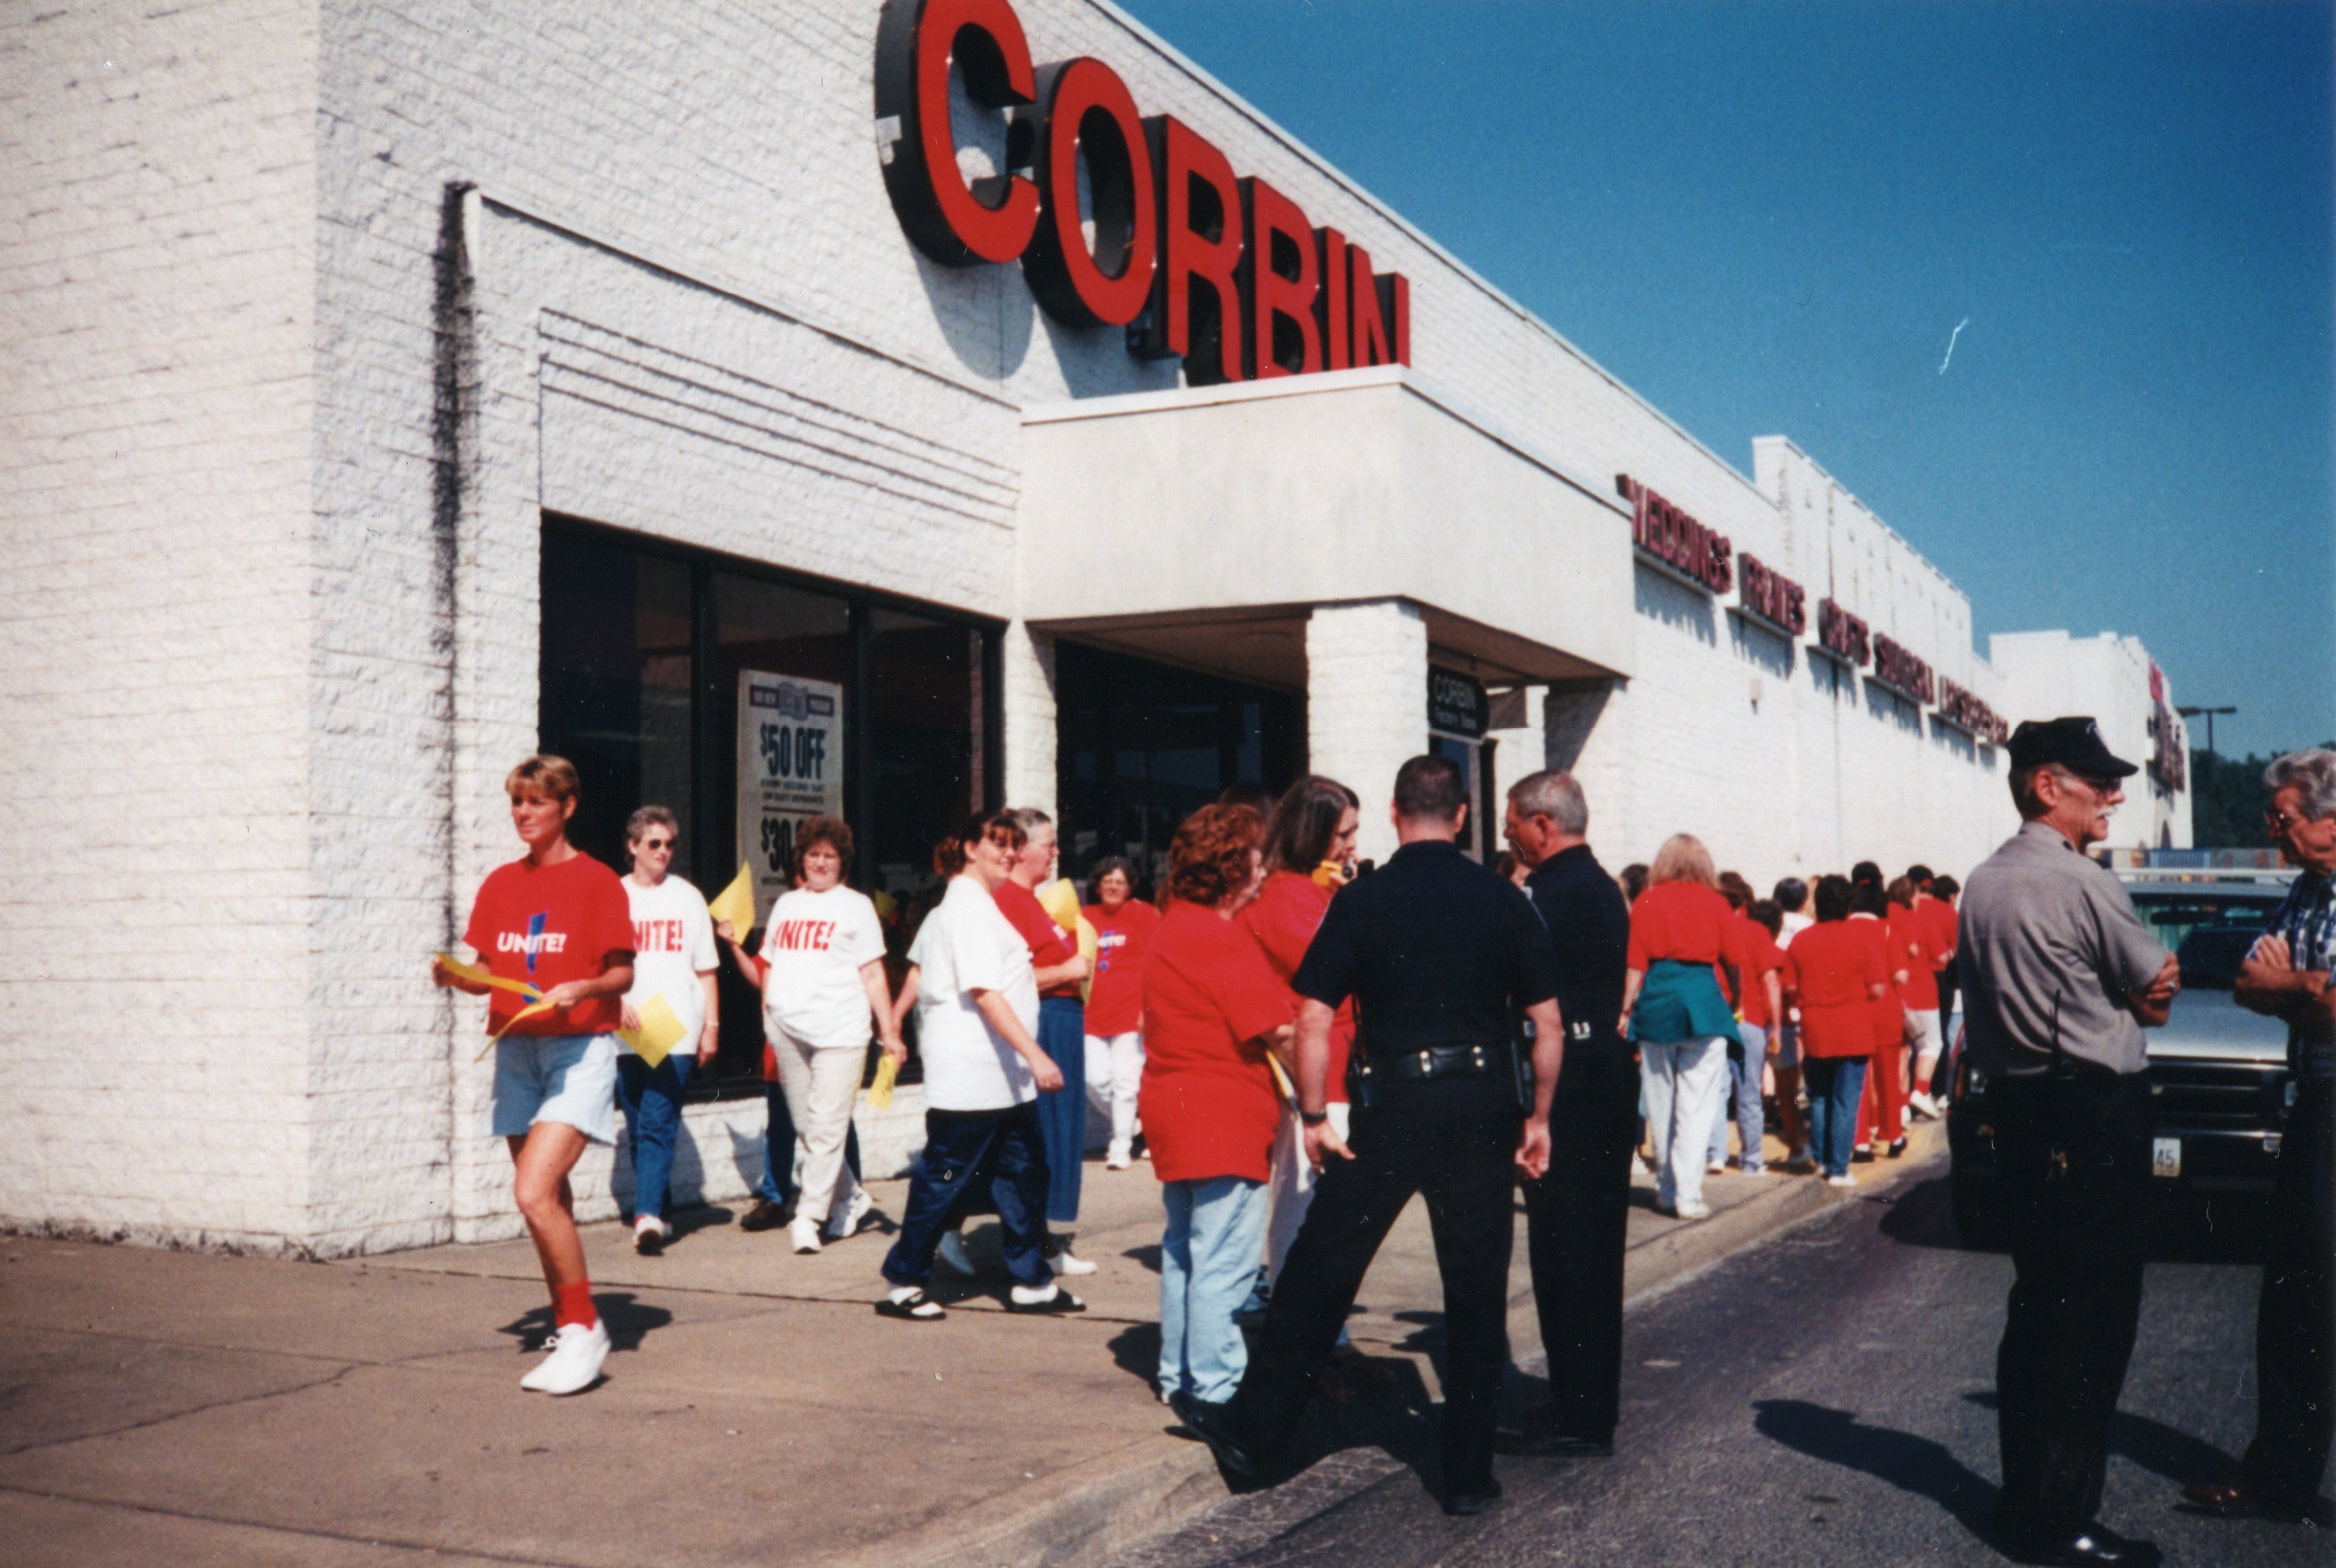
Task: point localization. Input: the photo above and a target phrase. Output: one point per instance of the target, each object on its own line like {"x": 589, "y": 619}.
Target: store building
{"x": 2113, "y": 678}
{"x": 744, "y": 403}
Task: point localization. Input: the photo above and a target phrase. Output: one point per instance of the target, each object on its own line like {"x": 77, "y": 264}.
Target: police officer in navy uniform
{"x": 1440, "y": 955}
{"x": 1577, "y": 1214}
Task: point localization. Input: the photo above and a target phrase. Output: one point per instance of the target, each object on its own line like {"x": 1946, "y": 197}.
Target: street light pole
{"x": 2210, "y": 713}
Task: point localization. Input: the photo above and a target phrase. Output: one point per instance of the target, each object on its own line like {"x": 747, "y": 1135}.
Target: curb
{"x": 1093, "y": 1511}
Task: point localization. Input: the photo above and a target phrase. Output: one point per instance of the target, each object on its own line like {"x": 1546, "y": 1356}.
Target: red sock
{"x": 573, "y": 1304}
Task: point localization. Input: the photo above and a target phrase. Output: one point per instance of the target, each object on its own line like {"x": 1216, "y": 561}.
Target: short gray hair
{"x": 2313, "y": 773}
{"x": 637, "y": 825}
{"x": 1029, "y": 819}
{"x": 1556, "y": 795}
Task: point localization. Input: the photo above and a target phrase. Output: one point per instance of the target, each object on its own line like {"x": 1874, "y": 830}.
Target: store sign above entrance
{"x": 1198, "y": 263}
{"x": 1668, "y": 537}
{"x": 1895, "y": 666}
{"x": 1456, "y": 704}
{"x": 1770, "y": 596}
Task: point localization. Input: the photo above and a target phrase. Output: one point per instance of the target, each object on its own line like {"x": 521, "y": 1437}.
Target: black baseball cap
{"x": 2074, "y": 744}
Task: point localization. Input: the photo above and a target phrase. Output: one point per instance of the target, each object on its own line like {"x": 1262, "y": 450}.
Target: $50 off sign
{"x": 790, "y": 769}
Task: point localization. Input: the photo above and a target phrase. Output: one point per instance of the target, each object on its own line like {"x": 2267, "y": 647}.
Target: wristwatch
{"x": 1313, "y": 1118}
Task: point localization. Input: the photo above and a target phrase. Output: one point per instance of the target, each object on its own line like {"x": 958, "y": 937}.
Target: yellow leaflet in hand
{"x": 661, "y": 1030}
{"x": 879, "y": 1093}
{"x": 496, "y": 1039}
{"x": 1060, "y": 899}
{"x": 1282, "y": 1079}
{"x": 474, "y": 973}
{"x": 736, "y": 903}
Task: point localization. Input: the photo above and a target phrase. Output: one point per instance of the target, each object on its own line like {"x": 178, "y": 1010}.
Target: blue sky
{"x": 1770, "y": 218}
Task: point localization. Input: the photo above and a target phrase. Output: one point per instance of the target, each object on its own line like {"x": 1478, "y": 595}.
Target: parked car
{"x": 2218, "y": 1082}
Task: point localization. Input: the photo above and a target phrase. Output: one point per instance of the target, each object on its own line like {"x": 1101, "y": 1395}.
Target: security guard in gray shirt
{"x": 1440, "y": 955}
{"x": 2060, "y": 976}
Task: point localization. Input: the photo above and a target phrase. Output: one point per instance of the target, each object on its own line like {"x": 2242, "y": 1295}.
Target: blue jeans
{"x": 778, "y": 1183}
{"x": 651, "y": 1100}
{"x": 999, "y": 1152}
{"x": 1751, "y": 1122}
{"x": 1063, "y": 1112}
{"x": 1208, "y": 1262}
{"x": 1837, "y": 1085}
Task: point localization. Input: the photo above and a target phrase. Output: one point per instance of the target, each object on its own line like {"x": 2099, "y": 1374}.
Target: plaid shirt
{"x": 2307, "y": 918}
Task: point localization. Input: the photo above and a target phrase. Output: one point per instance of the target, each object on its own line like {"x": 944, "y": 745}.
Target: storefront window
{"x": 646, "y": 651}
{"x": 1144, "y": 746}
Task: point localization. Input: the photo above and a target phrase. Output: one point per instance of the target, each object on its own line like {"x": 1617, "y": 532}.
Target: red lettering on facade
{"x": 1663, "y": 533}
{"x": 1085, "y": 111}
{"x": 1841, "y": 633}
{"x": 1774, "y": 598}
{"x": 1895, "y": 666}
{"x": 1279, "y": 282}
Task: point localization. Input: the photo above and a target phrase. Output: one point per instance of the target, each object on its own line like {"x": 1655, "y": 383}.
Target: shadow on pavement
{"x": 1912, "y": 1463}
{"x": 628, "y": 1321}
{"x": 2184, "y": 1228}
{"x": 2155, "y": 1447}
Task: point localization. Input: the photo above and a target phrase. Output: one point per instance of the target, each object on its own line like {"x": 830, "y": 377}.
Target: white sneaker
{"x": 952, "y": 1254}
{"x": 1924, "y": 1106}
{"x": 853, "y": 1214}
{"x": 1715, "y": 1168}
{"x": 574, "y": 1363}
{"x": 1841, "y": 1180}
{"x": 1068, "y": 1263}
{"x": 805, "y": 1233}
{"x": 1118, "y": 1160}
{"x": 1694, "y": 1209}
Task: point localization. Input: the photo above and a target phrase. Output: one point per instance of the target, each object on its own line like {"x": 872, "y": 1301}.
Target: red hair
{"x": 1210, "y": 857}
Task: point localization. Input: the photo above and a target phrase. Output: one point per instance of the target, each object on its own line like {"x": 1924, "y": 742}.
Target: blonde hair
{"x": 1683, "y": 859}
{"x": 553, "y": 777}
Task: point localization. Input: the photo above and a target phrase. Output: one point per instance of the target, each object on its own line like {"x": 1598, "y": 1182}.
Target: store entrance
{"x": 1142, "y": 745}
{"x": 1459, "y": 716}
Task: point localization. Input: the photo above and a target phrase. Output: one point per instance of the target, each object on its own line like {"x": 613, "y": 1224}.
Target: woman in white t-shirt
{"x": 977, "y": 1013}
{"x": 674, "y": 957}
{"x": 824, "y": 987}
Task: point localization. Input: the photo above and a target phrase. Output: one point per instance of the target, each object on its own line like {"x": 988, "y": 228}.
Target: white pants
{"x": 1291, "y": 1185}
{"x": 820, "y": 1084}
{"x": 1114, "y": 1073}
{"x": 1683, "y": 1084}
{"x": 1922, "y": 1037}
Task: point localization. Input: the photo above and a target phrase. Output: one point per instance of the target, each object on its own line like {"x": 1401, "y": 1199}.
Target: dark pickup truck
{"x": 2218, "y": 1081}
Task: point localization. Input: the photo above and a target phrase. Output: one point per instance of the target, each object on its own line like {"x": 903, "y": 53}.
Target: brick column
{"x": 1030, "y": 675}
{"x": 1523, "y": 747}
{"x": 1367, "y": 703}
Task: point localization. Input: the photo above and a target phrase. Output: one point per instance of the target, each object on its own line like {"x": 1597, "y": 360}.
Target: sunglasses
{"x": 2282, "y": 823}
{"x": 658, "y": 843}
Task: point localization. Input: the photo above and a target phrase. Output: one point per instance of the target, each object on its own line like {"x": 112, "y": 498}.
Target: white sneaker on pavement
{"x": 952, "y": 1256}
{"x": 805, "y": 1234}
{"x": 1924, "y": 1106}
{"x": 1715, "y": 1167}
{"x": 1118, "y": 1160}
{"x": 863, "y": 1200}
{"x": 1694, "y": 1209}
{"x": 574, "y": 1362}
{"x": 1068, "y": 1263}
{"x": 1841, "y": 1180}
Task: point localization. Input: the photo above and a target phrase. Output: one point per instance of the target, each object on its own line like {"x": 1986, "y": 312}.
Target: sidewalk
{"x": 196, "y": 1407}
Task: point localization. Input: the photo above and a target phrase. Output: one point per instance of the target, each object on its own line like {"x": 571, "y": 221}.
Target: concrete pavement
{"x": 213, "y": 1408}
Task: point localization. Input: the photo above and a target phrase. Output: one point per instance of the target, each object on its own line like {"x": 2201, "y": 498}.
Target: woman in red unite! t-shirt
{"x": 557, "y": 921}
{"x": 1123, "y": 925}
{"x": 1213, "y": 1010}
{"x": 1834, "y": 976}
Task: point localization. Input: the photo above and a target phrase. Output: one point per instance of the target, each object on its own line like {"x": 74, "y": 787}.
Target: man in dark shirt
{"x": 1440, "y": 954}
{"x": 1577, "y": 1214}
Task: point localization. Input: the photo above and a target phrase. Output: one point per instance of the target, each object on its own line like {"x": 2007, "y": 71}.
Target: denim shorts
{"x": 566, "y": 1078}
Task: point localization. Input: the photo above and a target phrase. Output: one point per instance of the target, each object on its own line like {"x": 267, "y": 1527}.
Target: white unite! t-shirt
{"x": 673, "y": 944}
{"x": 968, "y": 944}
{"x": 815, "y": 945}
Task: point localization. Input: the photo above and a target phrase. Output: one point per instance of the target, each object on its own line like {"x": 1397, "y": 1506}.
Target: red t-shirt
{"x": 1761, "y": 955}
{"x": 1116, "y": 1000}
{"x": 1888, "y": 1012}
{"x": 1283, "y": 918}
{"x": 548, "y": 925}
{"x": 1050, "y": 945}
{"x": 1208, "y": 1103}
{"x": 1690, "y": 923}
{"x": 1827, "y": 971}
{"x": 1912, "y": 949}
{"x": 1942, "y": 916}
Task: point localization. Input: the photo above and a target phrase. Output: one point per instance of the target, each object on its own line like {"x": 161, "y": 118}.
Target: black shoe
{"x": 765, "y": 1215}
{"x": 1861, "y": 1157}
{"x": 1897, "y": 1147}
{"x": 2245, "y": 1500}
{"x": 648, "y": 1244}
{"x": 1212, "y": 1422}
{"x": 1461, "y": 1505}
{"x": 2094, "y": 1546}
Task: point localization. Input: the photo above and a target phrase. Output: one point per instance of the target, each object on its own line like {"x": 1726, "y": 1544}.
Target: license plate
{"x": 2165, "y": 1157}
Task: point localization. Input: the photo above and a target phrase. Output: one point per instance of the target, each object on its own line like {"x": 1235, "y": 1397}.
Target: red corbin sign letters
{"x": 1774, "y": 598}
{"x": 1961, "y": 708}
{"x": 1665, "y": 534}
{"x": 1198, "y": 262}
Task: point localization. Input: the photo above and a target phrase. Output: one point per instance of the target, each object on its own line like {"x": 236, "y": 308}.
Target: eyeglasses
{"x": 2282, "y": 822}
{"x": 658, "y": 843}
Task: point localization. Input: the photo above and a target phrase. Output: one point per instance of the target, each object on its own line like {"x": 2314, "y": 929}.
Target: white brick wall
{"x": 1367, "y": 704}
{"x": 280, "y": 423}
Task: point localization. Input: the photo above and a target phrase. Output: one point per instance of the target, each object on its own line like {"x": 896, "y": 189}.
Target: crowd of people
{"x": 1301, "y": 1044}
